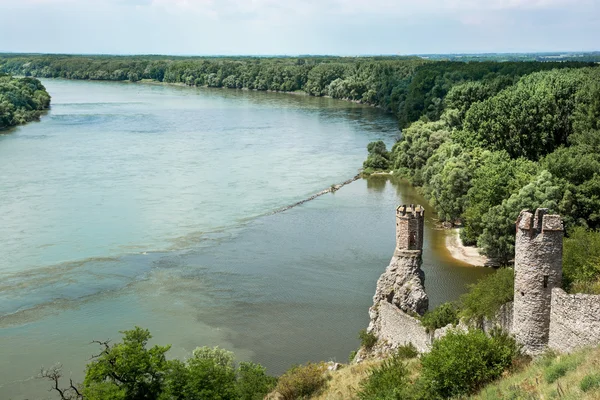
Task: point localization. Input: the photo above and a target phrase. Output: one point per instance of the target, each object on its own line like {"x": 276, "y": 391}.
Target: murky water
{"x": 150, "y": 205}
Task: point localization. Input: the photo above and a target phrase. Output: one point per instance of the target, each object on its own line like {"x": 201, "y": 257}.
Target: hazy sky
{"x": 347, "y": 27}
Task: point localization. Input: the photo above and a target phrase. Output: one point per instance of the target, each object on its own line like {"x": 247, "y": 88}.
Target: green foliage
{"x": 440, "y": 317}
{"x": 581, "y": 258}
{"x": 559, "y": 369}
{"x": 301, "y": 381}
{"x": 389, "y": 381}
{"x": 352, "y": 355}
{"x": 485, "y": 298}
{"x": 460, "y": 363}
{"x": 407, "y": 351}
{"x": 130, "y": 371}
{"x": 253, "y": 383}
{"x": 590, "y": 382}
{"x": 447, "y": 176}
{"x": 529, "y": 119}
{"x": 21, "y": 100}
{"x": 417, "y": 144}
{"x": 497, "y": 177}
{"x": 367, "y": 339}
{"x": 578, "y": 174}
{"x": 379, "y": 157}
{"x": 498, "y": 238}
{"x": 211, "y": 375}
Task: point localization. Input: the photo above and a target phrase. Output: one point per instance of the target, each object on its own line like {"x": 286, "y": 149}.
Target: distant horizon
{"x": 292, "y": 55}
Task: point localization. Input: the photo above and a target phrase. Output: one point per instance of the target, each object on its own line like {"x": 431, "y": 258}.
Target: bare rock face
{"x": 400, "y": 293}
{"x": 402, "y": 284}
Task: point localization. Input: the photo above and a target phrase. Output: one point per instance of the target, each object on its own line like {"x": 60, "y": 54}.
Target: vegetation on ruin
{"x": 441, "y": 316}
{"x": 21, "y": 100}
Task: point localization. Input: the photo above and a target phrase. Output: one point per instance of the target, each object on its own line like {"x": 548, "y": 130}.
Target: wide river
{"x": 149, "y": 205}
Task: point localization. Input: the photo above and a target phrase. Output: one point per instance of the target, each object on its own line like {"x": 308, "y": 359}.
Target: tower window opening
{"x": 546, "y": 281}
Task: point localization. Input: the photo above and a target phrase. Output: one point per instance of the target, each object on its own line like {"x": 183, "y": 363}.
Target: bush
{"x": 352, "y": 355}
{"x": 485, "y": 298}
{"x": 555, "y": 371}
{"x": 378, "y": 158}
{"x": 389, "y": 381}
{"x": 440, "y": 316}
{"x": 460, "y": 363}
{"x": 367, "y": 339}
{"x": 301, "y": 381}
{"x": 376, "y": 162}
{"x": 590, "y": 382}
{"x": 253, "y": 383}
{"x": 407, "y": 352}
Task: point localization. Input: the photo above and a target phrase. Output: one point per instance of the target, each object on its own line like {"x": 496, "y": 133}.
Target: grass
{"x": 345, "y": 383}
{"x": 552, "y": 376}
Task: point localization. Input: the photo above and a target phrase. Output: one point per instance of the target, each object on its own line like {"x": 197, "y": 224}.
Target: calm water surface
{"x": 151, "y": 205}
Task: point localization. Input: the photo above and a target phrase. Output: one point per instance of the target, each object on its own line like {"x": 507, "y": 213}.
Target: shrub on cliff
{"x": 440, "y": 316}
{"x": 485, "y": 298}
{"x": 389, "y": 381}
{"x": 459, "y": 363}
{"x": 301, "y": 381}
{"x": 367, "y": 339}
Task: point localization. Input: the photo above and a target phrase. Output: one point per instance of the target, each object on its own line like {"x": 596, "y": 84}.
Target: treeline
{"x": 21, "y": 100}
{"x": 409, "y": 87}
{"x": 497, "y": 149}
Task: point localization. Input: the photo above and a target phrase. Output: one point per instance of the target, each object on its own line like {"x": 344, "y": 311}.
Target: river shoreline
{"x": 467, "y": 254}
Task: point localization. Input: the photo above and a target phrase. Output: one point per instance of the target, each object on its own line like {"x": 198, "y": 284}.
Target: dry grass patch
{"x": 344, "y": 383}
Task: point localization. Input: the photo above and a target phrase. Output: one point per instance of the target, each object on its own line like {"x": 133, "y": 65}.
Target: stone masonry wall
{"x": 538, "y": 269}
{"x": 398, "y": 328}
{"x": 574, "y": 321}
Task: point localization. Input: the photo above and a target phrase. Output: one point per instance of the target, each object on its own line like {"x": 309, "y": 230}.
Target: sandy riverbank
{"x": 459, "y": 251}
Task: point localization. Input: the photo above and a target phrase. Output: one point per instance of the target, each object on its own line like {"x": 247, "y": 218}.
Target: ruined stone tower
{"x": 409, "y": 227}
{"x": 403, "y": 282}
{"x": 538, "y": 269}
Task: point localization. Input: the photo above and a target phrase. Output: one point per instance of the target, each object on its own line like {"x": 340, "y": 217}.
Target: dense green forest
{"x": 21, "y": 100}
{"x": 499, "y": 148}
{"x": 409, "y": 87}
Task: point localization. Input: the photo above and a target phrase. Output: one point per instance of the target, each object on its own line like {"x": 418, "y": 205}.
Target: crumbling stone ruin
{"x": 403, "y": 283}
{"x": 400, "y": 293}
{"x": 538, "y": 270}
{"x": 542, "y": 315}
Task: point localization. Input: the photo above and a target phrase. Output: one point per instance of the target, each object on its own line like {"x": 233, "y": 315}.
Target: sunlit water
{"x": 151, "y": 205}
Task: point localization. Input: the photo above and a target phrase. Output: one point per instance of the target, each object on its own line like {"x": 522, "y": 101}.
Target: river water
{"x": 150, "y": 205}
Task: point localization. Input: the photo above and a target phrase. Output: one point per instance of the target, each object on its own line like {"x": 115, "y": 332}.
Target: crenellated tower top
{"x": 409, "y": 227}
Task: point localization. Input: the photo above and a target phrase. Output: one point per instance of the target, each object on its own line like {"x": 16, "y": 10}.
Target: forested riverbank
{"x": 498, "y": 148}
{"x": 21, "y": 100}
{"x": 409, "y": 87}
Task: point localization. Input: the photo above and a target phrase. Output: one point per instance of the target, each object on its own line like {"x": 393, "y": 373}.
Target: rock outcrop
{"x": 400, "y": 293}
